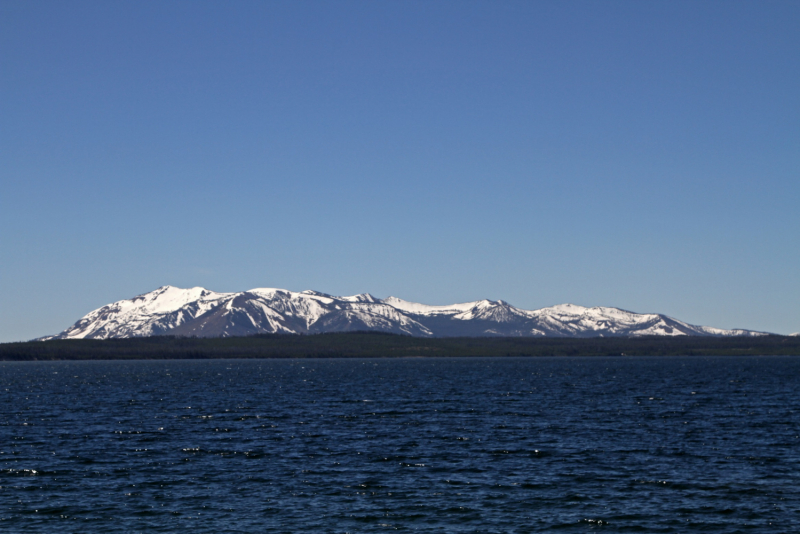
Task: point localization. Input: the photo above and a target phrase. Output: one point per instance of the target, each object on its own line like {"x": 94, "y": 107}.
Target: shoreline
{"x": 382, "y": 345}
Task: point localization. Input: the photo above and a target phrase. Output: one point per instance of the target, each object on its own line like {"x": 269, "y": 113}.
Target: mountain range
{"x": 202, "y": 313}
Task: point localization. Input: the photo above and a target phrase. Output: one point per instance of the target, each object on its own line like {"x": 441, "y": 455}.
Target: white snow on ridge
{"x": 363, "y": 297}
{"x": 139, "y": 313}
{"x": 560, "y": 309}
{"x": 425, "y": 309}
{"x": 168, "y": 299}
{"x": 199, "y": 311}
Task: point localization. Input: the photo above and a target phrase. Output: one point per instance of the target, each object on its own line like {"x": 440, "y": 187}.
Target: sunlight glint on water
{"x": 462, "y": 445}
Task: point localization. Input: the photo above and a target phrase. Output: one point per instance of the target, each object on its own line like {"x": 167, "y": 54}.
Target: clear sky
{"x": 643, "y": 155}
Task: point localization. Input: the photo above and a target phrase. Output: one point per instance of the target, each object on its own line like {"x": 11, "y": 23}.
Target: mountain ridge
{"x": 200, "y": 312}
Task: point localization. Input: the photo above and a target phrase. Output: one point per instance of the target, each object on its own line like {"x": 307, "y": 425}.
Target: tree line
{"x": 382, "y": 345}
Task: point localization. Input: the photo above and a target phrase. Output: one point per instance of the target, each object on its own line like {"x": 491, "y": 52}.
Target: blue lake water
{"x": 433, "y": 445}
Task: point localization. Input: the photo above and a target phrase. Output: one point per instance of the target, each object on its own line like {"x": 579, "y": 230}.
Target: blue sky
{"x": 643, "y": 155}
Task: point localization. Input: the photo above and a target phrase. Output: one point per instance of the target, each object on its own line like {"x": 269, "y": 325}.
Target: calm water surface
{"x": 436, "y": 445}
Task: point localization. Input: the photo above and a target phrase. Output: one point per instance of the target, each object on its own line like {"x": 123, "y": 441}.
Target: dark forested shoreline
{"x": 379, "y": 345}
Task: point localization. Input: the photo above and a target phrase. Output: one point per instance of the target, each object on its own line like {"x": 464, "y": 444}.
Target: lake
{"x": 672, "y": 444}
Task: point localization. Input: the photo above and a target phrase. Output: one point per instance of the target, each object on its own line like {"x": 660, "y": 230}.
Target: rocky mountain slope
{"x": 203, "y": 313}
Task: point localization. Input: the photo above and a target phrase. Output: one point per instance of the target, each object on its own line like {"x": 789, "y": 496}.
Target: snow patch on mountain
{"x": 424, "y": 309}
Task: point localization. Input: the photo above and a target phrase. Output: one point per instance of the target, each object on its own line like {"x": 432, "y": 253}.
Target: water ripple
{"x": 429, "y": 445}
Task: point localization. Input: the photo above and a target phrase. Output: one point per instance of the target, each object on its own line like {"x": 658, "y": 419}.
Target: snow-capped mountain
{"x": 203, "y": 313}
